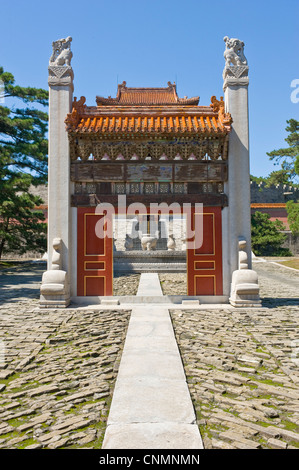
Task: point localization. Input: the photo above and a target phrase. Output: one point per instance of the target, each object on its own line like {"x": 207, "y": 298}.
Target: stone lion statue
{"x": 62, "y": 53}
{"x": 234, "y": 52}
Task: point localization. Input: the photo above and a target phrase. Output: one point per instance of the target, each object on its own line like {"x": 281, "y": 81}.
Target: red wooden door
{"x": 94, "y": 254}
{"x": 204, "y": 263}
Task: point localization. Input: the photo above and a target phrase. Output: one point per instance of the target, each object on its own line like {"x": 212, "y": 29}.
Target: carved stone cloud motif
{"x": 236, "y": 66}
{"x": 60, "y": 70}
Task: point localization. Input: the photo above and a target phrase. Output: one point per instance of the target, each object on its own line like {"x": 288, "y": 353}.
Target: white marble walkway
{"x": 151, "y": 406}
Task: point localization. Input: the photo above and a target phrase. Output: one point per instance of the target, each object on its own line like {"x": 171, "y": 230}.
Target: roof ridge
{"x": 146, "y": 95}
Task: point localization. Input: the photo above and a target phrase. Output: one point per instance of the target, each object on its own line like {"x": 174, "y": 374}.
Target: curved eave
{"x": 149, "y": 125}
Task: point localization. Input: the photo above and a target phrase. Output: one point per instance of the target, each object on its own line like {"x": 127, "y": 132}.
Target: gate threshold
{"x": 152, "y": 299}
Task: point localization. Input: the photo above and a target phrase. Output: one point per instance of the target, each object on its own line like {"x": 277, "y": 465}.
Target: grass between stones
{"x": 289, "y": 425}
{"x": 12, "y": 377}
{"x": 54, "y": 358}
{"x": 103, "y": 406}
{"x": 209, "y": 404}
{"x": 26, "y": 443}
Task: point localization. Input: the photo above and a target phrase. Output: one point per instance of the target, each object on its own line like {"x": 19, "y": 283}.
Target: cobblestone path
{"x": 242, "y": 366}
{"x": 58, "y": 368}
{"x": 58, "y": 375}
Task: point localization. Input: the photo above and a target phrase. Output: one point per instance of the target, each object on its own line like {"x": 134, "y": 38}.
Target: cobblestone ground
{"x": 57, "y": 368}
{"x": 173, "y": 283}
{"x": 125, "y": 284}
{"x": 242, "y": 366}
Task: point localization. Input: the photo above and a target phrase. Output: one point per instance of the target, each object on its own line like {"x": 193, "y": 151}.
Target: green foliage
{"x": 27, "y": 94}
{"x": 258, "y": 179}
{"x": 275, "y": 178}
{"x": 266, "y": 236}
{"x": 293, "y": 216}
{"x": 23, "y": 143}
{"x": 288, "y": 157}
{"x": 21, "y": 226}
{"x": 23, "y": 162}
{"x": 278, "y": 177}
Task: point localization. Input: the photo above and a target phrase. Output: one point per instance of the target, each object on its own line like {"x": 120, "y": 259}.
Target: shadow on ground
{"x": 20, "y": 279}
{"x": 273, "y": 302}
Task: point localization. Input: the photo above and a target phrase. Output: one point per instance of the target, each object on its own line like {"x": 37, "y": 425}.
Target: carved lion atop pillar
{"x": 234, "y": 52}
{"x": 62, "y": 54}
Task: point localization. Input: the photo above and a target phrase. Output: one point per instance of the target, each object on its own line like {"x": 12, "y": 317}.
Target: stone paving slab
{"x": 152, "y": 365}
{"x": 152, "y": 436}
{"x": 155, "y": 401}
{"x": 149, "y": 285}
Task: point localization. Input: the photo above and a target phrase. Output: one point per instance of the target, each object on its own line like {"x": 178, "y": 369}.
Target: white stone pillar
{"x": 60, "y": 102}
{"x": 235, "y": 88}
{"x": 244, "y": 281}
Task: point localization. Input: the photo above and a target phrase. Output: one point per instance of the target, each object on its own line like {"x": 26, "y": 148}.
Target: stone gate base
{"x": 149, "y": 261}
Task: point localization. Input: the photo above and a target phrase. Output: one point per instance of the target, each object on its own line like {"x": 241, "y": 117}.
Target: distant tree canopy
{"x": 293, "y": 216}
{"x": 258, "y": 179}
{"x": 266, "y": 236}
{"x": 23, "y": 162}
{"x": 288, "y": 157}
{"x": 274, "y": 178}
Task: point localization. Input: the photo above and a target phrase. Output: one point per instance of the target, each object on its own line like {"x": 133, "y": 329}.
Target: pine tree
{"x": 23, "y": 162}
{"x": 288, "y": 157}
{"x": 266, "y": 236}
{"x": 293, "y": 216}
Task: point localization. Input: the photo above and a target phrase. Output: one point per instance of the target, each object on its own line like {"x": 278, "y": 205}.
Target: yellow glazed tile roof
{"x": 150, "y": 124}
{"x": 146, "y": 97}
{"x": 137, "y": 118}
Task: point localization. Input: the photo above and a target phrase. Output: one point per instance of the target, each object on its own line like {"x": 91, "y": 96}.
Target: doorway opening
{"x": 149, "y": 243}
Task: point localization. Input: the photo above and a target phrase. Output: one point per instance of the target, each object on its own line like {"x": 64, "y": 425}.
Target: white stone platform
{"x": 151, "y": 406}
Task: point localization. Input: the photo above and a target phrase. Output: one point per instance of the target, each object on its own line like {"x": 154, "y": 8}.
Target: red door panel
{"x": 204, "y": 263}
{"x": 94, "y": 255}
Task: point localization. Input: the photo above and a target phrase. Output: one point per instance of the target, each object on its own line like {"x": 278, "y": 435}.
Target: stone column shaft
{"x": 236, "y": 102}
{"x": 60, "y": 99}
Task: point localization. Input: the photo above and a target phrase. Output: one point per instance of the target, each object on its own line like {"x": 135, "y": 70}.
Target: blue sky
{"x": 148, "y": 43}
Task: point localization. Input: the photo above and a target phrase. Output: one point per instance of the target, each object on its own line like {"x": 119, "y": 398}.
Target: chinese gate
{"x": 151, "y": 146}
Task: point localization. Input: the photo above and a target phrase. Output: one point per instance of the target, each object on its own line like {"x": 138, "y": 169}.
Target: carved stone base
{"x": 240, "y": 301}
{"x": 50, "y": 302}
{"x": 55, "y": 292}
{"x": 245, "y": 289}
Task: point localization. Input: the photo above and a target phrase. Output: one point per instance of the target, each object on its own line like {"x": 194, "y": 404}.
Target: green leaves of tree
{"x": 23, "y": 141}
{"x": 266, "y": 238}
{"x": 288, "y": 157}
{"x": 293, "y": 216}
{"x": 27, "y": 94}
{"x": 23, "y": 163}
